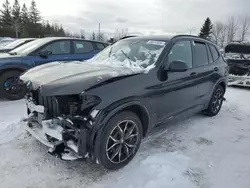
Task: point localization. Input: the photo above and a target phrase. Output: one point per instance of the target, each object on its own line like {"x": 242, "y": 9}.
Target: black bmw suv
{"x": 102, "y": 108}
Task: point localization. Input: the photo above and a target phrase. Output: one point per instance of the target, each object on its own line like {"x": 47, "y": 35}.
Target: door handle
{"x": 193, "y": 74}
{"x": 216, "y": 69}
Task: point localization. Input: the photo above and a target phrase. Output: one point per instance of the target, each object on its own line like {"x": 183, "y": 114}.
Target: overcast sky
{"x": 139, "y": 16}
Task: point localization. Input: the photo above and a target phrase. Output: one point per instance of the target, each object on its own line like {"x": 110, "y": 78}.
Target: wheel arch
{"x": 13, "y": 68}
{"x": 134, "y": 106}
{"x": 103, "y": 118}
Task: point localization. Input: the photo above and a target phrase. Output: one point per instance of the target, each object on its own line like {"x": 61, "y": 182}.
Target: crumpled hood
{"x": 65, "y": 78}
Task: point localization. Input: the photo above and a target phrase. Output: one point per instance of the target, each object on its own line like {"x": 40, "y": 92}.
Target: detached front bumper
{"x": 65, "y": 137}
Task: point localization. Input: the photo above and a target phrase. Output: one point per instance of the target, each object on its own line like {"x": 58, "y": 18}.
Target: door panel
{"x": 179, "y": 92}
{"x": 83, "y": 50}
{"x": 59, "y": 51}
{"x": 206, "y": 70}
{"x": 51, "y": 58}
{"x": 176, "y": 95}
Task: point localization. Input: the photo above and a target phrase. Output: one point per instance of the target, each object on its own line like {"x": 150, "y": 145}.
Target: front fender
{"x": 18, "y": 66}
{"x": 103, "y": 117}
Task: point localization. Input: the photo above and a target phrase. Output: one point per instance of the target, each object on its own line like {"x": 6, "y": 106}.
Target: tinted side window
{"x": 215, "y": 53}
{"x": 200, "y": 55}
{"x": 82, "y": 47}
{"x": 181, "y": 51}
{"x": 58, "y": 47}
{"x": 100, "y": 46}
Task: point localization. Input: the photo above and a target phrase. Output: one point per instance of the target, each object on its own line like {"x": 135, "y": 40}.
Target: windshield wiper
{"x": 110, "y": 51}
{"x": 12, "y": 53}
{"x": 127, "y": 57}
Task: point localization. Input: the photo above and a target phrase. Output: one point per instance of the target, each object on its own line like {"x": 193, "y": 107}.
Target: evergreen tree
{"x": 16, "y": 17}
{"x": 34, "y": 13}
{"x": 6, "y": 20}
{"x": 24, "y": 21}
{"x": 206, "y": 29}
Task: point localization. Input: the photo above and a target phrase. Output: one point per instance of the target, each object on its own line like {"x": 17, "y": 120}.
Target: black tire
{"x": 6, "y": 93}
{"x": 216, "y": 102}
{"x": 127, "y": 153}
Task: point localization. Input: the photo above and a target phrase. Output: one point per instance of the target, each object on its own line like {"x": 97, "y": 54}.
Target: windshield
{"x": 29, "y": 47}
{"x": 15, "y": 43}
{"x": 133, "y": 53}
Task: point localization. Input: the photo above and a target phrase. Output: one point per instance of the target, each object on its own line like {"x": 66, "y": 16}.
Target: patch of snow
{"x": 69, "y": 157}
{"x": 159, "y": 170}
{"x": 94, "y": 113}
{"x": 117, "y": 56}
{"x": 34, "y": 108}
{"x": 52, "y": 129}
{"x": 68, "y": 120}
{"x": 72, "y": 145}
{"x": 12, "y": 112}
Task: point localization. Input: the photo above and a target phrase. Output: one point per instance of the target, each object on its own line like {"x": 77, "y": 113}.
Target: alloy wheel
{"x": 122, "y": 141}
{"x": 217, "y": 100}
{"x": 11, "y": 86}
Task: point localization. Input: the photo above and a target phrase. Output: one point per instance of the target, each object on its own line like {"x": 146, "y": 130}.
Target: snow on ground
{"x": 10, "y": 116}
{"x": 197, "y": 152}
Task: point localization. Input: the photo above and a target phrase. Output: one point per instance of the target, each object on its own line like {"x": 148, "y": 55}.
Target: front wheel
{"x": 10, "y": 88}
{"x": 121, "y": 139}
{"x": 215, "y": 102}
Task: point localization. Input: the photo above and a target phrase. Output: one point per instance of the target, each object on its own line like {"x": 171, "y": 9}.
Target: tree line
{"x": 19, "y": 22}
{"x": 235, "y": 29}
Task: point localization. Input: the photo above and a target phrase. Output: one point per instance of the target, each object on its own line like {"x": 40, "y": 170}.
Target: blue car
{"x": 39, "y": 52}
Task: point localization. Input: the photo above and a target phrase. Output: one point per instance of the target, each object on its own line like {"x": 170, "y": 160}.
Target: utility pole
{"x": 99, "y": 32}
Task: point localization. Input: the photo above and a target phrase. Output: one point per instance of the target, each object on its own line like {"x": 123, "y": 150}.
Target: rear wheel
{"x": 215, "y": 102}
{"x": 120, "y": 140}
{"x": 10, "y": 87}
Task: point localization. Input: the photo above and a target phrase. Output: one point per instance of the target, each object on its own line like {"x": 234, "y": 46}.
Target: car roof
{"x": 48, "y": 39}
{"x": 237, "y": 48}
{"x": 168, "y": 37}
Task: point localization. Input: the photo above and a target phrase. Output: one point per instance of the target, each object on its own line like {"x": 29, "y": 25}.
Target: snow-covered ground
{"x": 196, "y": 152}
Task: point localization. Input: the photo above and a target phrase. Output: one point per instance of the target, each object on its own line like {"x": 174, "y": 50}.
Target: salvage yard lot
{"x": 196, "y": 152}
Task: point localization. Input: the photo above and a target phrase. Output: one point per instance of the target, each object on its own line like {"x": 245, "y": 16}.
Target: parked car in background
{"x": 39, "y": 52}
{"x": 238, "y": 59}
{"x": 103, "y": 108}
{"x": 6, "y": 41}
{"x": 15, "y": 44}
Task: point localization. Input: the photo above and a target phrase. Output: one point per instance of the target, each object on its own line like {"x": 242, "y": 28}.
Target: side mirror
{"x": 177, "y": 66}
{"x": 45, "y": 54}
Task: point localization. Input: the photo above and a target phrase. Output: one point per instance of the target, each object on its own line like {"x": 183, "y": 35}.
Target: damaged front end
{"x": 63, "y": 123}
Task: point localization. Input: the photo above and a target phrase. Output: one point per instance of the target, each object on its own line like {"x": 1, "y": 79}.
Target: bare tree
{"x": 223, "y": 35}
{"x": 93, "y": 36}
{"x": 121, "y": 33}
{"x": 101, "y": 37}
{"x": 244, "y": 27}
{"x": 232, "y": 29}
{"x": 217, "y": 31}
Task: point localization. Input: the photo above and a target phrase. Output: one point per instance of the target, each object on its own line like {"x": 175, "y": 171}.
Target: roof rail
{"x": 183, "y": 35}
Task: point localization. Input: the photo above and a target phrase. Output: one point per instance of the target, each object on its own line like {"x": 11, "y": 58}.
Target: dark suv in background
{"x": 103, "y": 108}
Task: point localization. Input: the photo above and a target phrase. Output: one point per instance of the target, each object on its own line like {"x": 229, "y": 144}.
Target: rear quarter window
{"x": 200, "y": 55}
{"x": 214, "y": 52}
{"x": 100, "y": 46}
{"x": 82, "y": 47}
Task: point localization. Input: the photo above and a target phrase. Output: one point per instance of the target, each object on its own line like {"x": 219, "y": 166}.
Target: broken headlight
{"x": 89, "y": 101}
